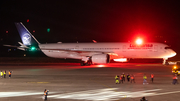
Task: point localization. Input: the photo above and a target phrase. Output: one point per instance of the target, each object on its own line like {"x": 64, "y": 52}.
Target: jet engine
{"x": 100, "y": 58}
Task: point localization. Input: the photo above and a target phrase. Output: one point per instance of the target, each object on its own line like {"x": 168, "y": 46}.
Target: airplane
{"x": 95, "y": 53}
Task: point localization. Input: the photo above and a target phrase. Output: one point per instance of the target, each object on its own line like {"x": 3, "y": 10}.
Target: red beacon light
{"x": 139, "y": 41}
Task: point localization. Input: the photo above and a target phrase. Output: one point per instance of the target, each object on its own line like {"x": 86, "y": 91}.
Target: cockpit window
{"x": 167, "y": 47}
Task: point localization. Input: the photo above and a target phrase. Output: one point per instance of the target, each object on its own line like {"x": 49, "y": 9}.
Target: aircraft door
{"x": 124, "y": 48}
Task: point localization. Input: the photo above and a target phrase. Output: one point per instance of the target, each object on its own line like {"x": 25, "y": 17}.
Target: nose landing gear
{"x": 165, "y": 62}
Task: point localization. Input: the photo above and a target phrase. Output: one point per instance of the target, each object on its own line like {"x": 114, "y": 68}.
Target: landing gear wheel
{"x": 82, "y": 64}
{"x": 88, "y": 63}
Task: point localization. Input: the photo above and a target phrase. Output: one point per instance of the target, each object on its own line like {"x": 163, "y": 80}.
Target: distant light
{"x": 165, "y": 41}
{"x": 6, "y": 31}
{"x": 175, "y": 67}
{"x": 139, "y": 41}
{"x": 9, "y": 50}
{"x": 33, "y": 31}
{"x": 48, "y": 29}
{"x": 27, "y": 20}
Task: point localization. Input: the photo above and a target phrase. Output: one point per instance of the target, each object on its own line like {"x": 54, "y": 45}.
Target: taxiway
{"x": 71, "y": 82}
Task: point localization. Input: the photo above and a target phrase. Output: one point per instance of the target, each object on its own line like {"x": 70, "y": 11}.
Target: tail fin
{"x": 26, "y": 37}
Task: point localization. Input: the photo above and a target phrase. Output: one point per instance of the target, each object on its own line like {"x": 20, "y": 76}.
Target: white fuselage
{"x": 119, "y": 50}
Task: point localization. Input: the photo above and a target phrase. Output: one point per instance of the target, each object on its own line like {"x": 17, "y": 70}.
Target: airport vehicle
{"x": 95, "y": 53}
{"x": 176, "y": 68}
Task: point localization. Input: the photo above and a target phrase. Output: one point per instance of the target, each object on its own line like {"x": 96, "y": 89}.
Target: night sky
{"x": 87, "y": 20}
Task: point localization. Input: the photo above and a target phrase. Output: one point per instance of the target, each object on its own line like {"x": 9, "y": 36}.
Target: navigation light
{"x": 33, "y": 48}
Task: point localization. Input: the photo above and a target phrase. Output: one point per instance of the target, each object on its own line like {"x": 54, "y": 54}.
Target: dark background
{"x": 87, "y": 20}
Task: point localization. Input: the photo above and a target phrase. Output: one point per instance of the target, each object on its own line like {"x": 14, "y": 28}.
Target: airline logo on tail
{"x": 26, "y": 38}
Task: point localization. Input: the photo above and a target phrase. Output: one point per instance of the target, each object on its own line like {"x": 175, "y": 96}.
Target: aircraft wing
{"x": 81, "y": 52}
{"x": 78, "y": 52}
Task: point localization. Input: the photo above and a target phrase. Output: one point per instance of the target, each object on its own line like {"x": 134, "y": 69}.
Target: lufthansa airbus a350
{"x": 95, "y": 53}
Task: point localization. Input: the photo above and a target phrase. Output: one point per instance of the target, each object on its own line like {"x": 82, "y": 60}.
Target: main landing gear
{"x": 86, "y": 61}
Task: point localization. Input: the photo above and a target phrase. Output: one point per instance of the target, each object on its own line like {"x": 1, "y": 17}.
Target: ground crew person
{"x": 1, "y": 74}
{"x": 176, "y": 72}
{"x": 145, "y": 79}
{"x": 143, "y": 99}
{"x": 128, "y": 77}
{"x": 175, "y": 79}
{"x": 132, "y": 78}
{"x": 123, "y": 77}
{"x": 152, "y": 77}
{"x": 4, "y": 74}
{"x": 45, "y": 94}
{"x": 117, "y": 79}
{"x": 9, "y": 74}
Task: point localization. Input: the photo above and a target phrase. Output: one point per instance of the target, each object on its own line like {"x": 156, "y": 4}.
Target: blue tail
{"x": 27, "y": 38}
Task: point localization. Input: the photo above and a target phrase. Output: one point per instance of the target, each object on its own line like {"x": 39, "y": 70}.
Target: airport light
{"x": 48, "y": 30}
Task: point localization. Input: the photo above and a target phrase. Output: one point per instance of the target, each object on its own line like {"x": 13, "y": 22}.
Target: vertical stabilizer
{"x": 26, "y": 37}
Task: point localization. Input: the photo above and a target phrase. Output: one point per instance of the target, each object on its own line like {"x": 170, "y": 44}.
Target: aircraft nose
{"x": 173, "y": 53}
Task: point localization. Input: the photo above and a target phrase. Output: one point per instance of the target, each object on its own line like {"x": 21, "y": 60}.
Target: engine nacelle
{"x": 100, "y": 58}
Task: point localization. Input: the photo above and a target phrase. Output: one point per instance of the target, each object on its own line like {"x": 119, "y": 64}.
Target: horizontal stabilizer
{"x": 11, "y": 46}
{"x": 22, "y": 45}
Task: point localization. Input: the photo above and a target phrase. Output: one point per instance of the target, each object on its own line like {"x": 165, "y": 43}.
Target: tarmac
{"x": 72, "y": 82}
